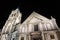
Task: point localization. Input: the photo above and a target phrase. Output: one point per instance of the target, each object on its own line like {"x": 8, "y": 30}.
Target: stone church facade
{"x": 35, "y": 27}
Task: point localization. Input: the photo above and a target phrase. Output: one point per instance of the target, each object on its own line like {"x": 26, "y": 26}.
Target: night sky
{"x": 45, "y": 8}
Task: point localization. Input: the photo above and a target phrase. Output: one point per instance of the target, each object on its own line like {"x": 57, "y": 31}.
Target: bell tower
{"x": 13, "y": 19}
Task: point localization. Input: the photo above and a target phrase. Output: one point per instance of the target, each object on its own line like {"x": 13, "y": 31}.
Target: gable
{"x": 35, "y": 17}
{"x": 34, "y": 20}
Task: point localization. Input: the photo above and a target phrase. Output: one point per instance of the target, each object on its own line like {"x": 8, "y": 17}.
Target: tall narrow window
{"x": 22, "y": 38}
{"x": 35, "y": 27}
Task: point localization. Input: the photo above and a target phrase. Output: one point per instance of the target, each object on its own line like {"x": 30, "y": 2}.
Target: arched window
{"x": 13, "y": 14}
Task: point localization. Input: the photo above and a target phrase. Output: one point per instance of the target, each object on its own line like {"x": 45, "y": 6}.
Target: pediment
{"x": 35, "y": 17}
{"x": 34, "y": 20}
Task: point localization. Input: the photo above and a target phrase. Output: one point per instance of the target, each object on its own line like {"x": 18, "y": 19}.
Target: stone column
{"x": 56, "y": 38}
{"x": 42, "y": 36}
{"x": 19, "y": 38}
{"x": 48, "y": 37}
{"x": 29, "y": 37}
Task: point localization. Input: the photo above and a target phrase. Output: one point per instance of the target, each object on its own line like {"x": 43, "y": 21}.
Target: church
{"x": 35, "y": 27}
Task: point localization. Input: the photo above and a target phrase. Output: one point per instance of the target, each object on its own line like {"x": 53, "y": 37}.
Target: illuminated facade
{"x": 35, "y": 27}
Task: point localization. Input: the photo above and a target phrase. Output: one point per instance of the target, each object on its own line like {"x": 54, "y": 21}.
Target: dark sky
{"x": 45, "y": 8}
